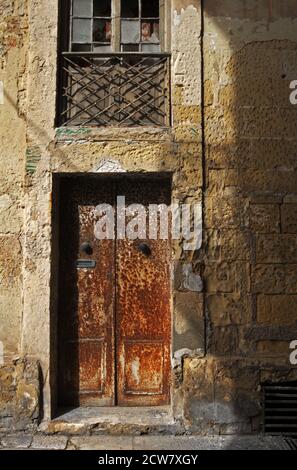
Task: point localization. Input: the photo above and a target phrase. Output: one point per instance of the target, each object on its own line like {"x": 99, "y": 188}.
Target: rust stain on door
{"x": 143, "y": 326}
{"x": 86, "y": 298}
{"x": 114, "y": 324}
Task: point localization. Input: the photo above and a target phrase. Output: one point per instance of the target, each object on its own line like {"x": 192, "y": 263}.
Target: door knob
{"x": 86, "y": 248}
{"x": 145, "y": 249}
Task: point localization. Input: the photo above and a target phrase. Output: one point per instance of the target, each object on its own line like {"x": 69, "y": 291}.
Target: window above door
{"x": 116, "y": 26}
{"x": 113, "y": 67}
{"x": 114, "y": 70}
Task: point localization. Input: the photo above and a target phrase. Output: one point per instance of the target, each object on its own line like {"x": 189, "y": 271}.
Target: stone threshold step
{"x": 106, "y": 443}
{"x": 113, "y": 420}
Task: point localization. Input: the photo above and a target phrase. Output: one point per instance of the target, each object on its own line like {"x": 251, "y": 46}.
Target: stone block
{"x": 266, "y": 197}
{"x": 219, "y": 277}
{"x": 264, "y": 218}
{"x": 224, "y": 212}
{"x": 227, "y": 245}
{"x": 20, "y": 395}
{"x": 223, "y": 340}
{"x": 274, "y": 278}
{"x": 276, "y": 248}
{"x": 253, "y": 180}
{"x": 268, "y": 154}
{"x": 269, "y": 279}
{"x": 229, "y": 309}
{"x": 227, "y": 277}
{"x": 289, "y": 218}
{"x": 102, "y": 442}
{"x": 10, "y": 214}
{"x": 10, "y": 301}
{"x": 273, "y": 347}
{"x": 21, "y": 441}
{"x": 41, "y": 442}
{"x": 189, "y": 321}
{"x": 10, "y": 261}
{"x": 277, "y": 309}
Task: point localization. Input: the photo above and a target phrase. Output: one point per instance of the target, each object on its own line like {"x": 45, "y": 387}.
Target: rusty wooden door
{"x": 143, "y": 305}
{"x": 86, "y": 297}
{"x": 114, "y": 321}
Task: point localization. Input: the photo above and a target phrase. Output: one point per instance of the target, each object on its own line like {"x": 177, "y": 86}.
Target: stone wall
{"x": 231, "y": 148}
{"x": 13, "y": 56}
{"x": 250, "y": 57}
{"x": 20, "y": 400}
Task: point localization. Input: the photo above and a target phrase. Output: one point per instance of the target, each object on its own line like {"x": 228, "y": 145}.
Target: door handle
{"x": 144, "y": 249}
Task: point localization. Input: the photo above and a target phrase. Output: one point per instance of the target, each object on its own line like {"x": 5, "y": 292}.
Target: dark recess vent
{"x": 280, "y": 409}
{"x": 292, "y": 443}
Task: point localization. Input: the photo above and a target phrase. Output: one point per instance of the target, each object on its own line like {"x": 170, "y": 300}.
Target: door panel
{"x": 114, "y": 318}
{"x": 143, "y": 319}
{"x": 86, "y": 298}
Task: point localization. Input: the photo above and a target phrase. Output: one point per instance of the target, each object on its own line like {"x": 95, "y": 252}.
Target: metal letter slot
{"x": 85, "y": 263}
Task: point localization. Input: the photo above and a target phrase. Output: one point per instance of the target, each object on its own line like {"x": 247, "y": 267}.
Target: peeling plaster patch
{"x": 196, "y": 242}
{"x": 135, "y": 370}
{"x": 176, "y": 65}
{"x": 109, "y": 166}
{"x": 178, "y": 14}
{"x": 180, "y": 354}
{"x": 1, "y": 92}
{"x": 5, "y": 202}
{"x": 191, "y": 281}
{"x": 1, "y": 354}
{"x": 176, "y": 18}
{"x": 212, "y": 40}
{"x": 224, "y": 78}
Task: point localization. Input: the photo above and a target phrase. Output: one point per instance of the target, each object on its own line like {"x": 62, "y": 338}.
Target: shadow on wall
{"x": 250, "y": 168}
{"x": 249, "y": 251}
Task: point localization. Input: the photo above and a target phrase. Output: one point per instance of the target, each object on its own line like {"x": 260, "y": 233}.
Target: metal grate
{"x": 292, "y": 443}
{"x": 116, "y": 89}
{"x": 280, "y": 409}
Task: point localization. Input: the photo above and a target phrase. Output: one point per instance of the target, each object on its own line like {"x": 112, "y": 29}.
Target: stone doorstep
{"x": 16, "y": 441}
{"x": 111, "y": 420}
{"x": 106, "y": 443}
{"x": 49, "y": 442}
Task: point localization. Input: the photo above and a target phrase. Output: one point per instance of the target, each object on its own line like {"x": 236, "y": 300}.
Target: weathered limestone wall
{"x": 13, "y": 50}
{"x": 244, "y": 174}
{"x": 49, "y": 150}
{"x": 250, "y": 52}
{"x": 20, "y": 400}
{"x": 19, "y": 378}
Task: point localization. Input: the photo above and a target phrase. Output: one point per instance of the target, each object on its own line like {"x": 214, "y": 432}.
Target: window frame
{"x": 115, "y": 43}
{"x": 65, "y": 56}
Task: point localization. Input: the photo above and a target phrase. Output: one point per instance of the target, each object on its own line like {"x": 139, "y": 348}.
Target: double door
{"x": 114, "y": 317}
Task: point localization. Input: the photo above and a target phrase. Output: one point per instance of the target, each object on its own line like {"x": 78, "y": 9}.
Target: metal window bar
{"x": 115, "y": 89}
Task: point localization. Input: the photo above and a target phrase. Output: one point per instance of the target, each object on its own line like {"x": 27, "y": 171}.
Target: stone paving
{"x": 147, "y": 442}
